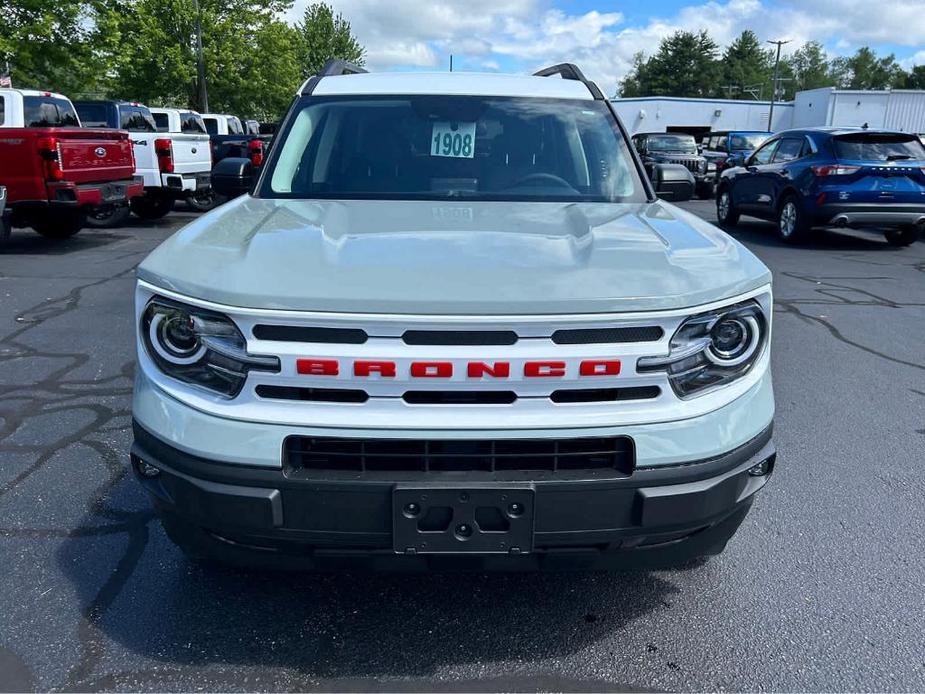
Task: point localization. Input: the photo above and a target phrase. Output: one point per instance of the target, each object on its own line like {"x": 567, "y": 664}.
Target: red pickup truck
{"x": 54, "y": 170}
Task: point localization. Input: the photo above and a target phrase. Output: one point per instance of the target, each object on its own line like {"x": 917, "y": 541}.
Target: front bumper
{"x": 656, "y": 515}
{"x": 181, "y": 184}
{"x": 68, "y": 194}
{"x": 862, "y": 215}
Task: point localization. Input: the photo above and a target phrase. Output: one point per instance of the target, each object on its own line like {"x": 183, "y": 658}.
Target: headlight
{"x": 200, "y": 347}
{"x": 711, "y": 166}
{"x": 712, "y": 349}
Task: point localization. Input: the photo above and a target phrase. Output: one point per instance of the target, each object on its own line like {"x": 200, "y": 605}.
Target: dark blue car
{"x": 839, "y": 177}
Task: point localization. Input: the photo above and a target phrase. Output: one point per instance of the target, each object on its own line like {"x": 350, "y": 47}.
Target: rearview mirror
{"x": 672, "y": 182}
{"x": 233, "y": 176}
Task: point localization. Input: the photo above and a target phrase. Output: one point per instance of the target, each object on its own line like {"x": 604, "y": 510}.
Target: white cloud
{"x": 528, "y": 34}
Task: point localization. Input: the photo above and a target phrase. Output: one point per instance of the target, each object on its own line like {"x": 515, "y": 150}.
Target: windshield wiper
{"x": 897, "y": 157}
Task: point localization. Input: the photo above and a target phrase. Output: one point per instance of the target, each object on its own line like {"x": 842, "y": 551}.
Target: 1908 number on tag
{"x": 453, "y": 140}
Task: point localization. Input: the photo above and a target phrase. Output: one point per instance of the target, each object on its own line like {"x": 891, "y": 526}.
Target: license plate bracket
{"x": 462, "y": 520}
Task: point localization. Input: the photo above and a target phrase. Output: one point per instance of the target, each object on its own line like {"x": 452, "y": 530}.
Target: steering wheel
{"x": 540, "y": 178}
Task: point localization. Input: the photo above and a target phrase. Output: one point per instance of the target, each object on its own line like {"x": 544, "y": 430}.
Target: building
{"x": 658, "y": 114}
{"x": 897, "y": 109}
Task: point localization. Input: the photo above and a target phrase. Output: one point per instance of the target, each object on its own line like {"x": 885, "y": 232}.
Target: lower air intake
{"x": 416, "y": 455}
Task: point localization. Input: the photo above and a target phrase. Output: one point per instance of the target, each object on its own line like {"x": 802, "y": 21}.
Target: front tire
{"x": 152, "y": 206}
{"x": 904, "y": 236}
{"x": 726, "y": 213}
{"x": 792, "y": 224}
{"x": 58, "y": 225}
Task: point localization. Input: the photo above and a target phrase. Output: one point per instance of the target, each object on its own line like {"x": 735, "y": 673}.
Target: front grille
{"x": 690, "y": 164}
{"x": 414, "y": 455}
{"x": 457, "y": 397}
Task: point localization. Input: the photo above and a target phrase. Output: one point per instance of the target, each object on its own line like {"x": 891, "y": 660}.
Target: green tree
{"x": 249, "y": 53}
{"x": 51, "y": 44}
{"x": 915, "y": 78}
{"x": 323, "y": 36}
{"x": 810, "y": 67}
{"x": 864, "y": 70}
{"x": 746, "y": 64}
{"x": 685, "y": 65}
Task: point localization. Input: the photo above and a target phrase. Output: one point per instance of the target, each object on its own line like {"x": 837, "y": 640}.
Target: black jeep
{"x": 678, "y": 148}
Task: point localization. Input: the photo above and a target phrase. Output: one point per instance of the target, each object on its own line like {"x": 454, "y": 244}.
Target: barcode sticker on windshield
{"x": 453, "y": 139}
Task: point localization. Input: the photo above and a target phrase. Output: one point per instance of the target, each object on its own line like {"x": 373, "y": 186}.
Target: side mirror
{"x": 673, "y": 182}
{"x": 233, "y": 176}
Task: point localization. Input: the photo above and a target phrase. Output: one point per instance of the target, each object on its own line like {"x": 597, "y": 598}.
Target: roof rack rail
{"x": 332, "y": 68}
{"x": 570, "y": 71}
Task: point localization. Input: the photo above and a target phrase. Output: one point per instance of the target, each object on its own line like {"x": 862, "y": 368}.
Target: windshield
{"x": 672, "y": 143}
{"x": 746, "y": 143}
{"x": 435, "y": 147}
{"x": 49, "y": 112}
{"x": 879, "y": 147}
{"x": 191, "y": 123}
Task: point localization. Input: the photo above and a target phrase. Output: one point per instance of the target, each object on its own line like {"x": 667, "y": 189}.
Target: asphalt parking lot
{"x": 822, "y": 589}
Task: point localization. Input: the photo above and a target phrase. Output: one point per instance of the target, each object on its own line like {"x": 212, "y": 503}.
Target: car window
{"x": 92, "y": 115}
{"x": 2, "y": 109}
{"x": 763, "y": 155}
{"x": 162, "y": 121}
{"x": 747, "y": 143}
{"x": 49, "y": 112}
{"x": 671, "y": 143}
{"x": 234, "y": 126}
{"x": 467, "y": 147}
{"x": 136, "y": 119}
{"x": 789, "y": 149}
{"x": 191, "y": 123}
{"x": 879, "y": 147}
{"x": 211, "y": 125}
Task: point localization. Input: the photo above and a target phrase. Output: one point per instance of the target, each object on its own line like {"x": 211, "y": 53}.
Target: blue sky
{"x": 602, "y": 36}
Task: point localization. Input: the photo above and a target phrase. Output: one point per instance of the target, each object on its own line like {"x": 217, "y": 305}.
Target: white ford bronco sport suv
{"x": 451, "y": 326}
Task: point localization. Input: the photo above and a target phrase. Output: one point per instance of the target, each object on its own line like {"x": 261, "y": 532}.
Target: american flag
{"x": 6, "y": 81}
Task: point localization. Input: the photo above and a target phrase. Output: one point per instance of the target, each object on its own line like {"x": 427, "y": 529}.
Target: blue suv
{"x": 841, "y": 177}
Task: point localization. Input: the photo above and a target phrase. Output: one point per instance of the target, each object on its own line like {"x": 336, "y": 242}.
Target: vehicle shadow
{"x": 334, "y": 629}
{"x": 24, "y": 241}
{"x": 759, "y": 233}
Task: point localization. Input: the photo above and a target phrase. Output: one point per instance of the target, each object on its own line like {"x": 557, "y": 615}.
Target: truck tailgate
{"x": 191, "y": 153}
{"x": 89, "y": 155}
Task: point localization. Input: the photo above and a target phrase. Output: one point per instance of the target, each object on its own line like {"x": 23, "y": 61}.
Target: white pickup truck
{"x": 186, "y": 165}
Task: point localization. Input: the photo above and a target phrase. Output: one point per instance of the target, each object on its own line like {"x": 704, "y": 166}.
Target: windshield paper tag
{"x": 453, "y": 139}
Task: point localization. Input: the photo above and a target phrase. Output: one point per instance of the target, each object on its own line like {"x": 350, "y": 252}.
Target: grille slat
{"x": 459, "y": 337}
{"x": 432, "y": 456}
{"x": 298, "y": 333}
{"x": 589, "y": 336}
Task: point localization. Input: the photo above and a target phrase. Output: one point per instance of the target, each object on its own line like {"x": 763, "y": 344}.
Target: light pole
{"x": 200, "y": 62}
{"x": 774, "y": 82}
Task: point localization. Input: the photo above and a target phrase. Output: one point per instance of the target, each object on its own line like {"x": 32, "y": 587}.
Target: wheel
{"x": 705, "y": 191}
{"x": 107, "y": 216}
{"x": 152, "y": 206}
{"x": 903, "y": 236}
{"x": 204, "y": 201}
{"x": 792, "y": 224}
{"x": 58, "y": 225}
{"x": 726, "y": 213}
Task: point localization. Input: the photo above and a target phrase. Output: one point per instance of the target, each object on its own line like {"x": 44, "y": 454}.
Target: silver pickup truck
{"x": 452, "y": 326}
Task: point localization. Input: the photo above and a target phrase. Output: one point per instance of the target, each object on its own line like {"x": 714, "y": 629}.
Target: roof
{"x": 841, "y": 130}
{"x": 453, "y": 84}
{"x": 701, "y": 100}
{"x": 35, "y": 92}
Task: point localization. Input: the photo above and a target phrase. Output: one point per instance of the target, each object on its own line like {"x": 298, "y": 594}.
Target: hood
{"x": 452, "y": 258}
